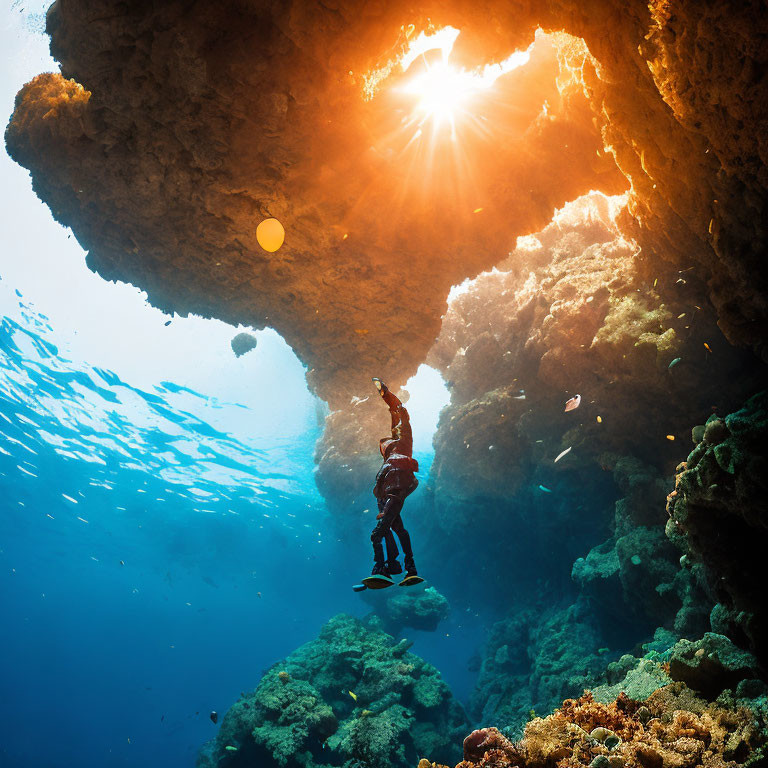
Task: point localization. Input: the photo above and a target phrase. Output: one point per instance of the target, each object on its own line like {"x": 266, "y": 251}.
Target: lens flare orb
{"x": 270, "y": 234}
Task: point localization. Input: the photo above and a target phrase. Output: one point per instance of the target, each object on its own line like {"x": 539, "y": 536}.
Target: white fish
{"x": 573, "y": 403}
{"x": 560, "y": 455}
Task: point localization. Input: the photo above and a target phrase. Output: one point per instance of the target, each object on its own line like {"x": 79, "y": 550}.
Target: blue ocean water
{"x": 152, "y": 565}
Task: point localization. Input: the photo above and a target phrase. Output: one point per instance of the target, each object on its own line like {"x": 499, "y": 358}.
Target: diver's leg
{"x": 389, "y": 540}
{"x": 405, "y": 543}
{"x": 390, "y": 509}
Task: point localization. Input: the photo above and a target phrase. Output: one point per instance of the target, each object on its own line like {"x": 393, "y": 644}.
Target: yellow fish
{"x": 353, "y": 695}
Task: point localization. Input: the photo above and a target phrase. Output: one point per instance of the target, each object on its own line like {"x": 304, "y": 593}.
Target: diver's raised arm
{"x": 390, "y": 399}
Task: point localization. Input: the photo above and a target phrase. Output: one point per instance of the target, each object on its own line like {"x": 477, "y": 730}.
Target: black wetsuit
{"x": 394, "y": 482}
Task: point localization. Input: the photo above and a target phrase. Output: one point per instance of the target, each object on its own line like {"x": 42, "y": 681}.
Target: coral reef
{"x": 416, "y": 608}
{"x": 353, "y": 696}
{"x": 672, "y": 728}
{"x": 570, "y": 312}
{"x": 717, "y": 515}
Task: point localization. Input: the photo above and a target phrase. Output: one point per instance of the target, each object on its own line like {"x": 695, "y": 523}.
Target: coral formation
{"x": 353, "y": 696}
{"x": 416, "y": 608}
{"x": 672, "y": 728}
{"x": 717, "y": 515}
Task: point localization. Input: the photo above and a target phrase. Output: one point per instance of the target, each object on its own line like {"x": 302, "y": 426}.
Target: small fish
{"x": 670, "y": 437}
{"x": 167, "y": 323}
{"x": 561, "y": 454}
{"x": 674, "y": 362}
{"x": 230, "y": 748}
{"x": 709, "y": 349}
{"x": 541, "y": 488}
{"x": 214, "y": 717}
{"x": 573, "y": 403}
{"x": 353, "y": 695}
{"x": 122, "y": 562}
{"x": 258, "y": 594}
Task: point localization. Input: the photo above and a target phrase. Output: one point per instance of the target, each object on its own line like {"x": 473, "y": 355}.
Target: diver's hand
{"x": 380, "y": 385}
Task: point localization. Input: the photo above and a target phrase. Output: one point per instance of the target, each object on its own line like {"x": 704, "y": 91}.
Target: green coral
{"x": 353, "y": 697}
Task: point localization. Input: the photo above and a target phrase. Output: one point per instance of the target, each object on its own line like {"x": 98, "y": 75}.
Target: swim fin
{"x": 377, "y": 581}
{"x": 410, "y": 581}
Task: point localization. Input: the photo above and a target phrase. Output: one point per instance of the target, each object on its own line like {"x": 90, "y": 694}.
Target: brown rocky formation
{"x": 570, "y": 311}
{"x": 192, "y": 122}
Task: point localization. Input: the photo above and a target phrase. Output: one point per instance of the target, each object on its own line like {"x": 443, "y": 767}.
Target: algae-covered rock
{"x": 711, "y": 664}
{"x": 242, "y": 343}
{"x": 717, "y": 516}
{"x": 352, "y": 696}
{"x": 417, "y": 608}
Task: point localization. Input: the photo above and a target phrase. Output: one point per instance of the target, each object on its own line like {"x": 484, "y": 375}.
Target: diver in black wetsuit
{"x": 394, "y": 482}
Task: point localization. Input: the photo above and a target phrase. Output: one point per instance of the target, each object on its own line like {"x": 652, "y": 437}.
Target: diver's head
{"x": 386, "y": 446}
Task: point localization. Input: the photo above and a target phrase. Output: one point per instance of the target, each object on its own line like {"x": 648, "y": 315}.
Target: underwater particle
{"x": 214, "y": 717}
{"x": 709, "y": 349}
{"x": 122, "y": 562}
{"x": 670, "y": 437}
{"x": 573, "y": 403}
{"x": 242, "y": 343}
{"x": 674, "y": 363}
{"x": 353, "y": 695}
{"x": 258, "y": 594}
{"x": 477, "y": 210}
{"x": 599, "y": 419}
{"x": 82, "y": 519}
{"x": 545, "y": 489}
{"x": 561, "y": 454}
{"x": 283, "y": 676}
{"x": 270, "y": 234}
{"x": 345, "y": 236}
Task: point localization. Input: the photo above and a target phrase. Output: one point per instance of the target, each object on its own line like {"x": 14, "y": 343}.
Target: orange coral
{"x": 682, "y": 732}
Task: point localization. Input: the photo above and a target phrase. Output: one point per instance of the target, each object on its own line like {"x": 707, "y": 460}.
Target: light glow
{"x": 442, "y": 88}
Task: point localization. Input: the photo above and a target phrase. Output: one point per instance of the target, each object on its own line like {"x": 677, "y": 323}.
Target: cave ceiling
{"x": 176, "y": 127}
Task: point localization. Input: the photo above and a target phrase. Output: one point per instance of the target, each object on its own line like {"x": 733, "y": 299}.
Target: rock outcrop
{"x": 414, "y": 608}
{"x": 352, "y": 696}
{"x": 172, "y": 131}
{"x": 717, "y": 516}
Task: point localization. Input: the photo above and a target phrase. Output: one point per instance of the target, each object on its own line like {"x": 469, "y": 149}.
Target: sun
{"x": 442, "y": 90}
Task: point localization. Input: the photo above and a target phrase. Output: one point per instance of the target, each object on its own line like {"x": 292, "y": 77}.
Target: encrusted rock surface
{"x": 414, "y": 608}
{"x": 570, "y": 312}
{"x": 718, "y": 515}
{"x": 187, "y": 126}
{"x": 352, "y": 696}
{"x": 183, "y": 127}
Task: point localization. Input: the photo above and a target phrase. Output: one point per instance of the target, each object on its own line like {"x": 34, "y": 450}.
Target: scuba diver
{"x": 394, "y": 482}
